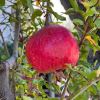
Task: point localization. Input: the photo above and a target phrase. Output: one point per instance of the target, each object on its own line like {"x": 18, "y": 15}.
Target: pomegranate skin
{"x": 51, "y": 48}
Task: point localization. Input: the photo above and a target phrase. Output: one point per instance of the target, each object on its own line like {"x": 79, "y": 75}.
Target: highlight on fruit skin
{"x": 49, "y": 49}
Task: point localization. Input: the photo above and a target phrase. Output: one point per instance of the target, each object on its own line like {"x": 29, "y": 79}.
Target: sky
{"x": 59, "y": 9}
{"x": 3, "y": 28}
{"x": 57, "y": 6}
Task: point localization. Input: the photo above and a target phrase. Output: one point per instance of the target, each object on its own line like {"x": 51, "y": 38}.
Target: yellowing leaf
{"x": 37, "y": 2}
{"x": 19, "y": 60}
{"x": 2, "y": 2}
{"x": 86, "y": 4}
{"x": 27, "y": 98}
{"x": 90, "y": 40}
{"x": 30, "y": 6}
{"x": 98, "y": 72}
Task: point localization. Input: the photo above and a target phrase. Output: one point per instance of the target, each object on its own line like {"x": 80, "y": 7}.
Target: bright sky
{"x": 57, "y": 6}
{"x": 59, "y": 9}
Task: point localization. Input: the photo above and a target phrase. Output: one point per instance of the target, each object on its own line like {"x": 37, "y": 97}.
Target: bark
{"x": 5, "y": 90}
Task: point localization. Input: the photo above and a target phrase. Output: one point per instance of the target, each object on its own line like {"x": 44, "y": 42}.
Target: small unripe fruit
{"x": 51, "y": 48}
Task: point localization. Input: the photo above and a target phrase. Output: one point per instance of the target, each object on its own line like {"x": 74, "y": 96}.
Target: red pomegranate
{"x": 51, "y": 48}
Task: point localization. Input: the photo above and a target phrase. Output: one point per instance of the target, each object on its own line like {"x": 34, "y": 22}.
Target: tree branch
{"x": 65, "y": 87}
{"x": 4, "y": 43}
{"x": 85, "y": 32}
{"x": 48, "y": 15}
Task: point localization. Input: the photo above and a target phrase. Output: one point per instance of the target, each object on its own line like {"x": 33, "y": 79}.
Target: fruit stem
{"x": 48, "y": 16}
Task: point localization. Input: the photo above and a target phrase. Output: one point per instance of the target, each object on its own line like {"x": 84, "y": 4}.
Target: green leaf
{"x": 2, "y": 2}
{"x": 56, "y": 87}
{"x": 27, "y": 98}
{"x": 42, "y": 91}
{"x": 56, "y": 14}
{"x": 98, "y": 85}
{"x": 12, "y": 19}
{"x": 41, "y": 82}
{"x": 38, "y": 98}
{"x": 74, "y": 4}
{"x": 97, "y": 23}
{"x": 49, "y": 1}
{"x": 92, "y": 30}
{"x": 91, "y": 75}
{"x": 90, "y": 12}
{"x": 91, "y": 22}
{"x": 70, "y": 10}
{"x": 35, "y": 81}
{"x": 24, "y": 2}
{"x": 29, "y": 3}
{"x": 74, "y": 11}
{"x": 59, "y": 16}
{"x": 86, "y": 4}
{"x": 83, "y": 96}
{"x": 92, "y": 89}
{"x": 3, "y": 57}
{"x": 78, "y": 21}
{"x": 89, "y": 4}
{"x": 93, "y": 2}
{"x": 36, "y": 13}
{"x": 51, "y": 99}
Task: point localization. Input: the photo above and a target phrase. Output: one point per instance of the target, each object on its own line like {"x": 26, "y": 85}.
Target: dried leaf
{"x": 88, "y": 37}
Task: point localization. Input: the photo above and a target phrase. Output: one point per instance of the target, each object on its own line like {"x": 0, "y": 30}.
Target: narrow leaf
{"x": 88, "y": 37}
{"x": 2, "y": 2}
{"x": 74, "y": 4}
{"x": 78, "y": 21}
{"x": 36, "y": 13}
{"x": 29, "y": 3}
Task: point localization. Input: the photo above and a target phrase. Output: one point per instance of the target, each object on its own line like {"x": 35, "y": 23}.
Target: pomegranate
{"x": 49, "y": 49}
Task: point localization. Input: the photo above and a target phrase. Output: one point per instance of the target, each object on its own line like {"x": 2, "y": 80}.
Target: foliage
{"x": 83, "y": 79}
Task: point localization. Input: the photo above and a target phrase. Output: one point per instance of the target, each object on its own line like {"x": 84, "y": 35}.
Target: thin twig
{"x": 96, "y": 18}
{"x": 85, "y": 32}
{"x": 5, "y": 12}
{"x": 79, "y": 74}
{"x": 65, "y": 87}
{"x": 4, "y": 43}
